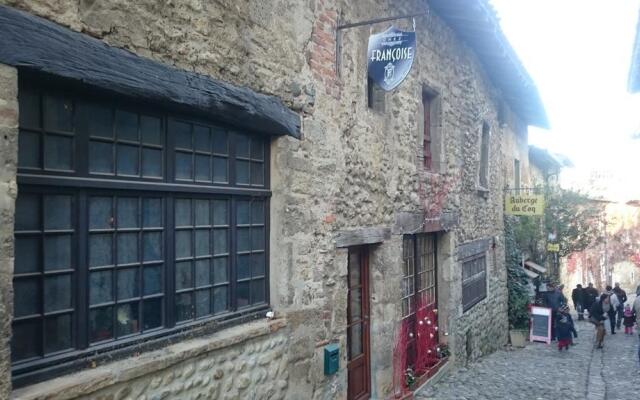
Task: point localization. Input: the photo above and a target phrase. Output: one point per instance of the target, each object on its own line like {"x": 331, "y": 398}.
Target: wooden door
{"x": 358, "y": 368}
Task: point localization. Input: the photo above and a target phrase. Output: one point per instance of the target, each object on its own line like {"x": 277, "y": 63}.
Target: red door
{"x": 358, "y": 368}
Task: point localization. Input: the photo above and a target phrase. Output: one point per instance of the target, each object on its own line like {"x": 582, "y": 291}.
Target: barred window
{"x": 474, "y": 281}
{"x": 131, "y": 222}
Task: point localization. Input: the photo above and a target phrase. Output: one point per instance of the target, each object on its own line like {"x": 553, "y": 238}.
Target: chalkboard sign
{"x": 540, "y": 324}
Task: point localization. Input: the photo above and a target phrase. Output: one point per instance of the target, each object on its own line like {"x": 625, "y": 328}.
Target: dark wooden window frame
{"x": 427, "y": 148}
{"x": 476, "y": 279}
{"x": 80, "y": 183}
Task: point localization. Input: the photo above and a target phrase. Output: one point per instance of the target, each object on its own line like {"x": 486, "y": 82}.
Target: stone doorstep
{"x": 88, "y": 381}
{"x": 443, "y": 370}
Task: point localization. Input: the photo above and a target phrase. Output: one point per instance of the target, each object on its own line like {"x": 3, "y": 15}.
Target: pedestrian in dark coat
{"x": 577, "y": 296}
{"x": 598, "y": 314}
{"x": 565, "y": 328}
{"x": 589, "y": 296}
{"x": 629, "y": 320}
{"x": 622, "y": 298}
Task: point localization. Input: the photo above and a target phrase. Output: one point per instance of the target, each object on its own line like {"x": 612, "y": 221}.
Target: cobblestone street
{"x": 542, "y": 372}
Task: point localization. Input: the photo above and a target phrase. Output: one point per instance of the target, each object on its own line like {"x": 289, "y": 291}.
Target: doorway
{"x": 358, "y": 367}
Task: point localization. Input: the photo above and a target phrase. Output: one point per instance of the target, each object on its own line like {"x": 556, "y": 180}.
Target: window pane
{"x": 128, "y": 283}
{"x": 27, "y": 254}
{"x": 202, "y": 138}
{"x": 220, "y": 141}
{"x": 181, "y": 134}
{"x": 57, "y": 252}
{"x": 244, "y": 212}
{"x": 100, "y": 216}
{"x": 57, "y": 333}
{"x": 183, "y": 166}
{"x": 100, "y": 250}
{"x": 152, "y": 246}
{"x": 128, "y": 248}
{"x": 244, "y": 243}
{"x": 27, "y": 212}
{"x": 95, "y": 120}
{"x": 127, "y": 160}
{"x": 58, "y": 113}
{"x": 202, "y": 242}
{"x": 257, "y": 291}
{"x": 26, "y": 340}
{"x": 242, "y": 172}
{"x": 29, "y": 149}
{"x": 257, "y": 267}
{"x": 220, "y": 297}
{"x": 183, "y": 212}
{"x": 100, "y": 287}
{"x": 202, "y": 212}
{"x": 257, "y": 149}
{"x": 184, "y": 308}
{"x": 57, "y": 292}
{"x": 58, "y": 152}
{"x": 183, "y": 244}
{"x": 220, "y": 212}
{"x": 203, "y": 168}
{"x": 29, "y": 105}
{"x": 257, "y": 212}
{"x": 242, "y": 294}
{"x": 101, "y": 324}
{"x": 152, "y": 280}
{"x": 242, "y": 145}
{"x": 220, "y": 170}
{"x": 151, "y": 162}
{"x": 150, "y": 129}
{"x": 203, "y": 302}
{"x": 203, "y": 272}
{"x": 257, "y": 238}
{"x": 355, "y": 341}
{"x": 183, "y": 275}
{"x": 126, "y": 125}
{"x": 257, "y": 173}
{"x": 220, "y": 270}
{"x": 127, "y": 318}
{"x": 127, "y": 212}
{"x": 57, "y": 212}
{"x": 243, "y": 266}
{"x": 24, "y": 300}
{"x": 152, "y": 309}
{"x": 220, "y": 244}
{"x": 151, "y": 213}
{"x": 101, "y": 157}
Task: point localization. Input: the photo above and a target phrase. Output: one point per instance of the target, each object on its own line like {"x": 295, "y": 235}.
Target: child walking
{"x": 565, "y": 328}
{"x": 629, "y": 320}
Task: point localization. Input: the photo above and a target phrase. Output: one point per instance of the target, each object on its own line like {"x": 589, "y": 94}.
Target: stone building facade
{"x": 348, "y": 191}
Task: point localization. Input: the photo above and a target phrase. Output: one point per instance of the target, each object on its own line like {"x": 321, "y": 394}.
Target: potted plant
{"x": 518, "y": 290}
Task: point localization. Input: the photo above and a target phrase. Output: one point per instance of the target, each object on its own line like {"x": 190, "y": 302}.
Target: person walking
{"x": 598, "y": 314}
{"x": 577, "y": 296}
{"x": 614, "y": 303}
{"x": 589, "y": 296}
{"x": 553, "y": 300}
{"x": 565, "y": 328}
{"x": 636, "y": 310}
{"x": 622, "y": 298}
{"x": 629, "y": 320}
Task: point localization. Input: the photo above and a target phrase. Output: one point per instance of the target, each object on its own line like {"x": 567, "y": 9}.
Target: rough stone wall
{"x": 354, "y": 167}
{"x": 257, "y": 369}
{"x": 8, "y": 190}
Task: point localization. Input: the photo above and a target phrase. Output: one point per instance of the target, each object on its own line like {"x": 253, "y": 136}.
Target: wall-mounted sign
{"x": 390, "y": 56}
{"x": 524, "y": 204}
{"x": 553, "y": 247}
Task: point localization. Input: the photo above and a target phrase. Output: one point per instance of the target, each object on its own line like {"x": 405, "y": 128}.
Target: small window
{"x": 426, "y": 141}
{"x": 474, "y": 281}
{"x": 483, "y": 180}
{"x": 516, "y": 174}
{"x": 375, "y": 96}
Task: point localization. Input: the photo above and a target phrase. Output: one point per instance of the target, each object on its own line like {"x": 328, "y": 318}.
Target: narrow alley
{"x": 541, "y": 372}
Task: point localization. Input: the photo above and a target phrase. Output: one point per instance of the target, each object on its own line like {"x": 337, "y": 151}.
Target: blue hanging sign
{"x": 390, "y": 56}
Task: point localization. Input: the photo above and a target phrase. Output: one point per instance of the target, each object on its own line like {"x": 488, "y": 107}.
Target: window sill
{"x": 482, "y": 192}
{"x": 88, "y": 381}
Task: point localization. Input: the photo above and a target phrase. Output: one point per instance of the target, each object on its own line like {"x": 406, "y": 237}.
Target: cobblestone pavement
{"x": 541, "y": 372}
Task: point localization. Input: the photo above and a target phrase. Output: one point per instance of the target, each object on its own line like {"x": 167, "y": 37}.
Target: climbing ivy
{"x": 517, "y": 280}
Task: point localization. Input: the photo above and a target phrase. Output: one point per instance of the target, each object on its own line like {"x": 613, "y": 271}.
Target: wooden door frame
{"x": 366, "y": 314}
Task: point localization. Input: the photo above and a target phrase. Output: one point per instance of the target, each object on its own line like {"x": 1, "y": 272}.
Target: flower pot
{"x": 518, "y": 337}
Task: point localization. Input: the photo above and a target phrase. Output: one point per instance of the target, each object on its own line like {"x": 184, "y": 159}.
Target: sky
{"x": 579, "y": 52}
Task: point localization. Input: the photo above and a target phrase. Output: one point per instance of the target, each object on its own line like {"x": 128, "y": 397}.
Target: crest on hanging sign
{"x": 390, "y": 57}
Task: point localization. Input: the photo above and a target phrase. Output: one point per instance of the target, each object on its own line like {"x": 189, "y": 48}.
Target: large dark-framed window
{"x": 474, "y": 280}
{"x": 132, "y": 222}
